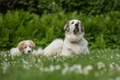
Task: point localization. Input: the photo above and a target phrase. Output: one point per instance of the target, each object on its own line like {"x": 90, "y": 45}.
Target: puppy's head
{"x": 74, "y": 30}
{"x": 26, "y": 46}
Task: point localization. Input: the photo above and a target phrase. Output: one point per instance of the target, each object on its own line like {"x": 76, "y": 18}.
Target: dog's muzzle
{"x": 29, "y": 51}
{"x": 76, "y": 25}
{"x": 76, "y": 28}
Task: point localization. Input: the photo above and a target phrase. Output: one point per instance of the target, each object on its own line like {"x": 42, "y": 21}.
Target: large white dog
{"x": 74, "y": 42}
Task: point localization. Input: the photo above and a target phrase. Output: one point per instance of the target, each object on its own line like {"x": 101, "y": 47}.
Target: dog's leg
{"x": 86, "y": 50}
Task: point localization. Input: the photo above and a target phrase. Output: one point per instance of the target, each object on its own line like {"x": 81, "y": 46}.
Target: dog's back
{"x": 54, "y": 47}
{"x": 15, "y": 52}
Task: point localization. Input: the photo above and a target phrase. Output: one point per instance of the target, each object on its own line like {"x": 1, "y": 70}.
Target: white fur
{"x": 74, "y": 48}
{"x": 15, "y": 52}
{"x": 73, "y": 43}
{"x": 54, "y": 48}
{"x": 37, "y": 52}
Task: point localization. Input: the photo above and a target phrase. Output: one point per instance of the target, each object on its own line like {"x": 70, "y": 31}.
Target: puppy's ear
{"x": 21, "y": 46}
{"x": 66, "y": 27}
{"x": 32, "y": 44}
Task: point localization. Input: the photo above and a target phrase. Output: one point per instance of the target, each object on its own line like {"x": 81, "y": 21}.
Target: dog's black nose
{"x": 76, "y": 28}
{"x": 76, "y": 25}
{"x": 29, "y": 51}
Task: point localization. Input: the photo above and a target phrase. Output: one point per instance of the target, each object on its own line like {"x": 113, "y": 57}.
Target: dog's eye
{"x": 72, "y": 22}
{"x": 30, "y": 46}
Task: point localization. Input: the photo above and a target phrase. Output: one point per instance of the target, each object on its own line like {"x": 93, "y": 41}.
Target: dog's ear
{"x": 82, "y": 27}
{"x": 32, "y": 44}
{"x": 21, "y": 46}
{"x": 66, "y": 27}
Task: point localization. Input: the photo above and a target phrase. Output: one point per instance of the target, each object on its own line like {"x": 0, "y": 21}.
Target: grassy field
{"x": 98, "y": 65}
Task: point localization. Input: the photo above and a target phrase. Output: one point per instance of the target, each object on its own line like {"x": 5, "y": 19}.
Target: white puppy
{"x": 74, "y": 42}
{"x": 26, "y": 46}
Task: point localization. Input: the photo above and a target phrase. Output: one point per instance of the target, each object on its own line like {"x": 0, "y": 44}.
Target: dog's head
{"x": 74, "y": 30}
{"x": 26, "y": 46}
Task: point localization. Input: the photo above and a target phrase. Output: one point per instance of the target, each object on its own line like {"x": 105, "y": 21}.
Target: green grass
{"x": 98, "y": 65}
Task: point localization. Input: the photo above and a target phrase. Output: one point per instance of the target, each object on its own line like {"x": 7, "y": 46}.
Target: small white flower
{"x": 57, "y": 67}
{"x": 117, "y": 55}
{"x": 76, "y": 68}
{"x": 24, "y": 62}
{"x": 5, "y": 66}
{"x": 112, "y": 65}
{"x": 53, "y": 3}
{"x": 51, "y": 68}
{"x": 45, "y": 69}
{"x": 118, "y": 68}
{"x": 6, "y": 59}
{"x": 101, "y": 65}
{"x": 39, "y": 60}
{"x": 26, "y": 66}
{"x": 41, "y": 69}
{"x": 87, "y": 69}
{"x": 54, "y": 57}
{"x": 111, "y": 57}
{"x": 65, "y": 70}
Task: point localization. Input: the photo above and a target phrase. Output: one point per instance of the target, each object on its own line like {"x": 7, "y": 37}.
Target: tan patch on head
{"x": 21, "y": 46}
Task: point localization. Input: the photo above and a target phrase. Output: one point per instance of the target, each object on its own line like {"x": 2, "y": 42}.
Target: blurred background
{"x": 43, "y": 20}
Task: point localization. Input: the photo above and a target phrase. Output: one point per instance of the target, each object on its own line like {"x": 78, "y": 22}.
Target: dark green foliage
{"x": 88, "y": 7}
{"x": 102, "y": 31}
{"x": 93, "y": 7}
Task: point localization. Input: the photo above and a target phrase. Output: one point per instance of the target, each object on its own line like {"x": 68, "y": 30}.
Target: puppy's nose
{"x": 29, "y": 51}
